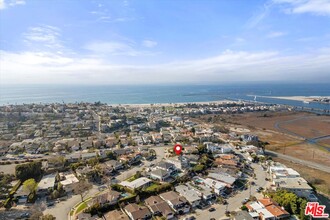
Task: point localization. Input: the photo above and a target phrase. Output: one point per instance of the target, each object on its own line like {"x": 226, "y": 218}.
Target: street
{"x": 62, "y": 209}
{"x": 234, "y": 202}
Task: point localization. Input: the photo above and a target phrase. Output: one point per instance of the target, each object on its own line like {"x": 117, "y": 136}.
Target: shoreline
{"x": 174, "y": 104}
{"x": 294, "y": 98}
{"x": 224, "y": 101}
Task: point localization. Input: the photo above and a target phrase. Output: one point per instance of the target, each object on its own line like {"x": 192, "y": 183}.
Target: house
{"x": 218, "y": 148}
{"x": 69, "y": 183}
{"x": 281, "y": 171}
{"x": 227, "y": 160}
{"x": 139, "y": 183}
{"x": 87, "y": 156}
{"x": 110, "y": 198}
{"x": 136, "y": 212}
{"x": 84, "y": 171}
{"x": 115, "y": 214}
{"x": 176, "y": 202}
{"x": 116, "y": 165}
{"x": 169, "y": 167}
{"x": 191, "y": 195}
{"x": 180, "y": 162}
{"x": 203, "y": 191}
{"x": 122, "y": 151}
{"x": 216, "y": 185}
{"x": 159, "y": 207}
{"x": 159, "y": 174}
{"x": 47, "y": 182}
{"x": 249, "y": 137}
{"x": 193, "y": 159}
{"x": 223, "y": 177}
{"x": 73, "y": 158}
{"x": 297, "y": 185}
{"x": 267, "y": 209}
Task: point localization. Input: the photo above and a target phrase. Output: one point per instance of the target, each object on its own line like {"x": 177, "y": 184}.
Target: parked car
{"x": 259, "y": 189}
{"x": 211, "y": 209}
{"x": 25, "y": 215}
{"x": 51, "y": 203}
{"x": 245, "y": 201}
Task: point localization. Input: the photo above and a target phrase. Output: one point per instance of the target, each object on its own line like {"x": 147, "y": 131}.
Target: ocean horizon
{"x": 148, "y": 94}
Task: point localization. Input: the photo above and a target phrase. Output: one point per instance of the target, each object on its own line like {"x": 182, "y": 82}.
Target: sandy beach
{"x": 296, "y": 98}
{"x": 173, "y": 104}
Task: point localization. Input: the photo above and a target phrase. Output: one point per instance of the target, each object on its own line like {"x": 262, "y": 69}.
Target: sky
{"x": 164, "y": 41}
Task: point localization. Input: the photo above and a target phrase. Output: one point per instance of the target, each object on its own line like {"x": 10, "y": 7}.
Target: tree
{"x": 244, "y": 208}
{"x": 30, "y": 185}
{"x": 28, "y": 170}
{"x": 82, "y": 188}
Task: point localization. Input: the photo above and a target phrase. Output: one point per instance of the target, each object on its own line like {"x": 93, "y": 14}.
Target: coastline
{"x": 295, "y": 98}
{"x": 174, "y": 104}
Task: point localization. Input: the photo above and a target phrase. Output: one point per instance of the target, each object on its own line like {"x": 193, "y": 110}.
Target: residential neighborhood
{"x": 96, "y": 161}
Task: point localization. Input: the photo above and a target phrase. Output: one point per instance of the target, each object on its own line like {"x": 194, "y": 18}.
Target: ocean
{"x": 138, "y": 94}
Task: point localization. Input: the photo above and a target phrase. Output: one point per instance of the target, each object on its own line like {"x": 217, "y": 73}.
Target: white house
{"x": 191, "y": 195}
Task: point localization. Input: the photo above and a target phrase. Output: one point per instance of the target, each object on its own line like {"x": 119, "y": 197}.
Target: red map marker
{"x": 178, "y": 149}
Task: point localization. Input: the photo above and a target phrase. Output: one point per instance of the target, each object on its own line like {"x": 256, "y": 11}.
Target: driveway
{"x": 234, "y": 203}
{"x": 62, "y": 209}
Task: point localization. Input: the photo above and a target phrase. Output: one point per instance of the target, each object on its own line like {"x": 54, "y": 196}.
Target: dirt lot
{"x": 322, "y": 179}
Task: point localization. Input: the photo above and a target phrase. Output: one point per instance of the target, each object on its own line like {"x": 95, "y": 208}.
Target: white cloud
{"x": 316, "y": 7}
{"x": 276, "y": 34}
{"x": 16, "y": 2}
{"x": 43, "y": 37}
{"x": 11, "y": 3}
{"x": 2, "y": 4}
{"x": 31, "y": 67}
{"x": 116, "y": 49}
{"x": 149, "y": 43}
{"x": 260, "y": 15}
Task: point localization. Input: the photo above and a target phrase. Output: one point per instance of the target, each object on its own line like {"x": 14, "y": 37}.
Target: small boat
{"x": 306, "y": 102}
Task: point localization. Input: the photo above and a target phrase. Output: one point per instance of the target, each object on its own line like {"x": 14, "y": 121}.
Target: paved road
{"x": 234, "y": 202}
{"x": 303, "y": 162}
{"x": 61, "y": 210}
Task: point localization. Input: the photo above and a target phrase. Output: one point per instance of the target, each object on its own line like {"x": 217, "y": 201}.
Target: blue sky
{"x": 147, "y": 42}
